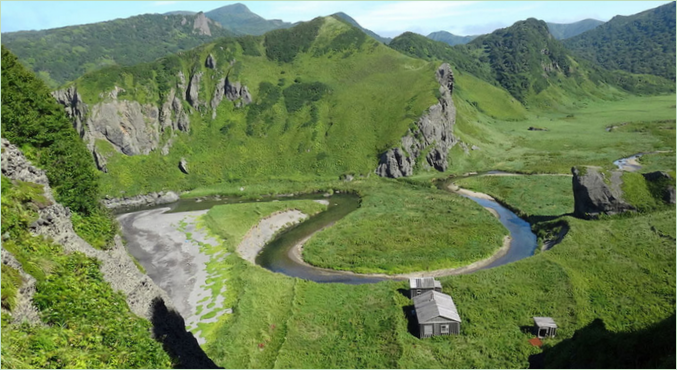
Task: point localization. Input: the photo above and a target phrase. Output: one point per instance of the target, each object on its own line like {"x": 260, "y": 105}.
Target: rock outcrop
{"x": 193, "y": 90}
{"x": 117, "y": 267}
{"x": 24, "y": 309}
{"x": 201, "y": 24}
{"x": 433, "y": 132}
{"x": 210, "y": 62}
{"x": 150, "y": 199}
{"x": 595, "y": 194}
{"x": 234, "y": 92}
{"x": 75, "y": 108}
{"x": 183, "y": 165}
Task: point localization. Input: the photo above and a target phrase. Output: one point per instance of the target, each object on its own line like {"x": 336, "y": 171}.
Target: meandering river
{"x": 281, "y": 254}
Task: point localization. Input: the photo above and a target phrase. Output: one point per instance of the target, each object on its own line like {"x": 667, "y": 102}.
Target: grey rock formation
{"x": 434, "y": 129}
{"x": 234, "y": 91}
{"x": 173, "y": 115}
{"x": 201, "y": 24}
{"x": 183, "y": 165}
{"x": 210, "y": 62}
{"x": 100, "y": 161}
{"x": 595, "y": 195}
{"x": 24, "y": 309}
{"x": 193, "y": 90}
{"x": 150, "y": 199}
{"x": 76, "y": 110}
{"x": 131, "y": 128}
{"x": 54, "y": 222}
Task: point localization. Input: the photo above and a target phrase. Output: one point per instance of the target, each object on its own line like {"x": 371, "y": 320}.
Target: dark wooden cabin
{"x": 418, "y": 286}
{"x": 436, "y": 314}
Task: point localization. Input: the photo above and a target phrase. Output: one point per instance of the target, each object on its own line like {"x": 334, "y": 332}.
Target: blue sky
{"x": 387, "y": 18}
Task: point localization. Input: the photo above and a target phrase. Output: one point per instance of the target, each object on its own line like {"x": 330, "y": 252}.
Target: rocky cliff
{"x": 433, "y": 133}
{"x": 597, "y": 193}
{"x": 136, "y": 129}
{"x": 54, "y": 222}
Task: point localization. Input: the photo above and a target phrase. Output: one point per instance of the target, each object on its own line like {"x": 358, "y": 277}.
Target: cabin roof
{"x": 424, "y": 283}
{"x": 545, "y": 322}
{"x": 432, "y": 304}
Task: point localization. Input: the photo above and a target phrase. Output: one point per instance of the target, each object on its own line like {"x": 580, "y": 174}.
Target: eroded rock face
{"x": 117, "y": 267}
{"x": 193, "y": 90}
{"x": 664, "y": 179}
{"x": 183, "y": 165}
{"x": 150, "y": 199}
{"x": 434, "y": 129}
{"x": 233, "y": 91}
{"x": 24, "y": 309}
{"x": 595, "y": 195}
{"x": 210, "y": 62}
{"x": 201, "y": 24}
{"x": 76, "y": 110}
{"x": 132, "y": 128}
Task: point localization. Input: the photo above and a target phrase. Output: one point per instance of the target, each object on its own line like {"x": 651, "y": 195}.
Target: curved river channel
{"x": 278, "y": 255}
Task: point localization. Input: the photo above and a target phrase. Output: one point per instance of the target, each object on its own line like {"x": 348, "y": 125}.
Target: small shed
{"x": 436, "y": 314}
{"x": 418, "y": 286}
{"x": 545, "y": 327}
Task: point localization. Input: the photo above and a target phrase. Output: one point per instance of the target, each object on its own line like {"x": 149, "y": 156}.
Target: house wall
{"x": 454, "y": 328}
{"x": 413, "y": 292}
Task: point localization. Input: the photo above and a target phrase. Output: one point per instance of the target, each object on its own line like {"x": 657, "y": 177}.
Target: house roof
{"x": 432, "y": 304}
{"x": 545, "y": 322}
{"x": 424, "y": 283}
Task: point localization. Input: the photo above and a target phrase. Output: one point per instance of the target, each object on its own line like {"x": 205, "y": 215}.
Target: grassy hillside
{"x": 562, "y": 31}
{"x": 619, "y": 270}
{"x": 63, "y": 54}
{"x": 35, "y": 122}
{"x": 326, "y": 103}
{"x": 642, "y": 43}
{"x": 83, "y": 322}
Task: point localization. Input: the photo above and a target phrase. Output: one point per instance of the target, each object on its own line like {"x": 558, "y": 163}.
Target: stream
{"x": 278, "y": 254}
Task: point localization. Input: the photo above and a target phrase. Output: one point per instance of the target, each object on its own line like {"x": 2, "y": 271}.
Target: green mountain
{"x": 640, "y": 43}
{"x": 349, "y": 19}
{"x": 320, "y": 99}
{"x": 63, "y": 54}
{"x": 563, "y": 31}
{"x": 450, "y": 38}
{"x": 240, "y": 20}
{"x": 530, "y": 64}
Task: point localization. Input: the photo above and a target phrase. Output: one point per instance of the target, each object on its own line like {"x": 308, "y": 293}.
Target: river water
{"x": 277, "y": 255}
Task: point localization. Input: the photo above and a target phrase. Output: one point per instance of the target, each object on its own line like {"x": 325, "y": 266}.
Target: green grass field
{"x": 619, "y": 270}
{"x": 531, "y": 195}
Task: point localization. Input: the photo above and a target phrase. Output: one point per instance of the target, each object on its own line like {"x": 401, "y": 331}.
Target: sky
{"x": 386, "y": 18}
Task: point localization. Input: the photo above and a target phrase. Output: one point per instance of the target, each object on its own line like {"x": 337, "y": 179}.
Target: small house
{"x": 545, "y": 327}
{"x": 418, "y": 286}
{"x": 436, "y": 314}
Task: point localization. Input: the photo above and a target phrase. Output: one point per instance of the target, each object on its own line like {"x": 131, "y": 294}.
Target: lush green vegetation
{"x": 240, "y": 20}
{"x": 345, "y": 17}
{"x": 640, "y": 43}
{"x": 63, "y": 54}
{"x": 403, "y": 228}
{"x": 35, "y": 122}
{"x": 575, "y": 136}
{"x": 324, "y": 115}
{"x": 531, "y": 195}
{"x": 88, "y": 325}
{"x": 283, "y": 45}
{"x": 597, "y": 272}
{"x": 562, "y": 31}
{"x": 643, "y": 194}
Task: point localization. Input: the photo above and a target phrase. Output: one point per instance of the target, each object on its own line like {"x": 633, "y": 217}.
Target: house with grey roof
{"x": 418, "y": 286}
{"x": 436, "y": 314}
{"x": 545, "y": 327}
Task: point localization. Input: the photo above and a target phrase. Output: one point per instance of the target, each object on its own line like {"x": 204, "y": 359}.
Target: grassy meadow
{"x": 620, "y": 270}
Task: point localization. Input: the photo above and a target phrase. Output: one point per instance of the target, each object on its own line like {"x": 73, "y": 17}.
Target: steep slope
{"x": 63, "y": 54}
{"x": 450, "y": 38}
{"x": 34, "y": 121}
{"x": 562, "y": 31}
{"x": 640, "y": 43}
{"x": 240, "y": 20}
{"x": 349, "y": 19}
{"x": 320, "y": 99}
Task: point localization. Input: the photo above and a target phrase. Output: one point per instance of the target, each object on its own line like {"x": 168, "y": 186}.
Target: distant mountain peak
{"x": 353, "y": 22}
